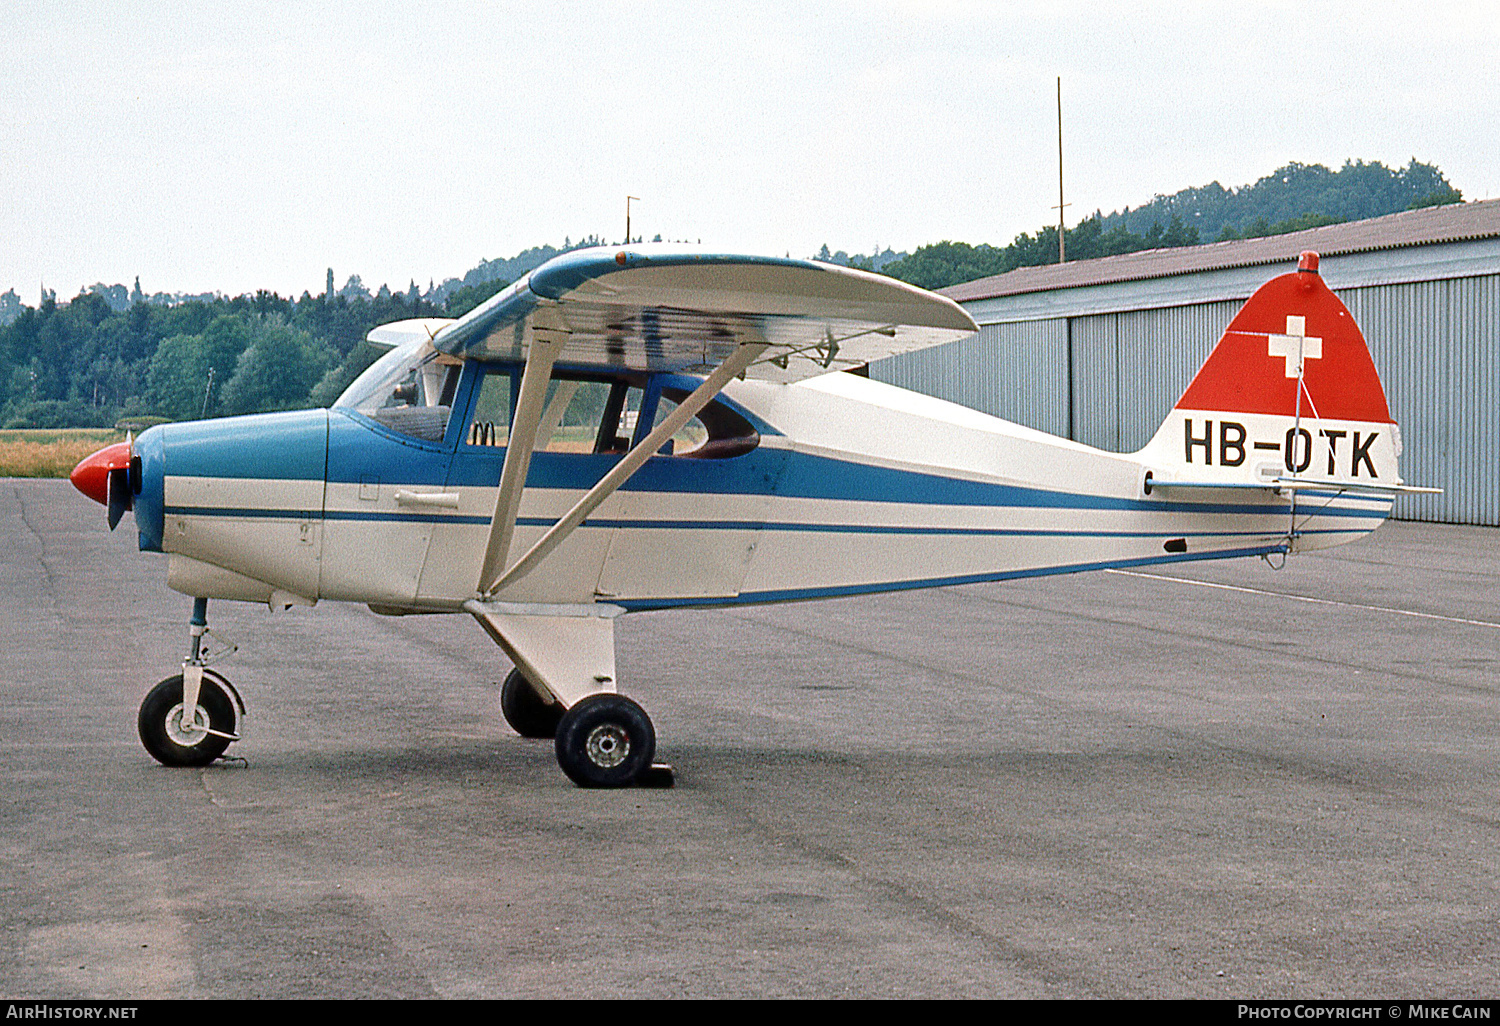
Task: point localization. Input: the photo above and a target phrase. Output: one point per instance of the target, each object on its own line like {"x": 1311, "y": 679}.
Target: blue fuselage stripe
{"x": 750, "y": 598}
{"x": 250, "y": 513}
{"x": 359, "y": 455}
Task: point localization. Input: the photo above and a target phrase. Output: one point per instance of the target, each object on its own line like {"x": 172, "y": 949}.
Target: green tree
{"x": 1438, "y": 197}
{"x": 462, "y": 300}
{"x": 278, "y": 370}
{"x": 1358, "y": 190}
{"x": 179, "y": 381}
{"x": 946, "y": 263}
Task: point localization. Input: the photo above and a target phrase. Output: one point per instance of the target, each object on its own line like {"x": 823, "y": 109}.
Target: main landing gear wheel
{"x": 176, "y": 739}
{"x": 605, "y": 740}
{"x": 524, "y": 708}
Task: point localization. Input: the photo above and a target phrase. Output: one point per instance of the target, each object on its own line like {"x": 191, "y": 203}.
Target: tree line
{"x": 84, "y": 364}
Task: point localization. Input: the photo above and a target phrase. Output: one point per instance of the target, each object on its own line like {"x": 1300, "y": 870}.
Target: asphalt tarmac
{"x": 1214, "y": 780}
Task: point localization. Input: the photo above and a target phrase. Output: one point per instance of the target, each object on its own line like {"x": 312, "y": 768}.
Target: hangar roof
{"x": 1456, "y": 222}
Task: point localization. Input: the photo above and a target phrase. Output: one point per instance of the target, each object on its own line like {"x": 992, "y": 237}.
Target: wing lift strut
{"x": 566, "y": 652}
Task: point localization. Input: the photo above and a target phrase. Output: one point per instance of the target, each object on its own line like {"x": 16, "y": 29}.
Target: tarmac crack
{"x": 1243, "y": 645}
{"x": 208, "y": 789}
{"x": 41, "y": 541}
{"x": 1311, "y": 599}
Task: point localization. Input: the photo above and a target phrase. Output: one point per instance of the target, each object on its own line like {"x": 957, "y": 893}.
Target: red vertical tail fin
{"x": 1289, "y": 391}
{"x": 1290, "y": 321}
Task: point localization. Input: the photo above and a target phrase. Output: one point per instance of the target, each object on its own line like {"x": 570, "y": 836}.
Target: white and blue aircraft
{"x": 649, "y": 427}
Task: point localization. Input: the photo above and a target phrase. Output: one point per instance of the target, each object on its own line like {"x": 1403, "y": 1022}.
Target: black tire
{"x": 525, "y": 710}
{"x": 157, "y": 732}
{"x": 605, "y": 740}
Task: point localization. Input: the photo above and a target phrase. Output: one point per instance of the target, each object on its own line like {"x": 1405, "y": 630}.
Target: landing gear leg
{"x": 602, "y": 738}
{"x": 189, "y": 719}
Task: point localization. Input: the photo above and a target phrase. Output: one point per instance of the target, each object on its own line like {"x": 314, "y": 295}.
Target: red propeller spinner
{"x": 105, "y": 478}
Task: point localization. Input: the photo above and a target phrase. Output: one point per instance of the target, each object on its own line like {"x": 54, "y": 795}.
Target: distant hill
{"x": 507, "y": 270}
{"x": 1294, "y": 193}
{"x": 1289, "y": 199}
{"x": 878, "y": 262}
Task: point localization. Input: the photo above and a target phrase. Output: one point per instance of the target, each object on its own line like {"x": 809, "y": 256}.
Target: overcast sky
{"x": 239, "y": 146}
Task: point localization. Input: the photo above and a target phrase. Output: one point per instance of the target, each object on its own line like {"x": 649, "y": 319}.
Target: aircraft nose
{"x": 91, "y": 476}
{"x": 105, "y": 478}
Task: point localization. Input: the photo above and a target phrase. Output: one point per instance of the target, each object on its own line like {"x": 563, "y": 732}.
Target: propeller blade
{"x": 118, "y": 496}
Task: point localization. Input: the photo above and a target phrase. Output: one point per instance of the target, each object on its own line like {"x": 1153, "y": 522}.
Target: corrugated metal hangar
{"x": 1100, "y": 350}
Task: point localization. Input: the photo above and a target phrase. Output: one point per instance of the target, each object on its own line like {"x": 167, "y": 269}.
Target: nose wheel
{"x": 175, "y": 737}
{"x": 191, "y": 718}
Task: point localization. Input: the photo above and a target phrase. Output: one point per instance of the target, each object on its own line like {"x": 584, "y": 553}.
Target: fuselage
{"x": 833, "y": 486}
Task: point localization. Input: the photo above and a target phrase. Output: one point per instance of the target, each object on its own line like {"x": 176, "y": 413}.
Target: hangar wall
{"x": 1437, "y": 347}
{"x": 1108, "y": 379}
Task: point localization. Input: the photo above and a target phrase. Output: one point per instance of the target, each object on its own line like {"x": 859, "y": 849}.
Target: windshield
{"x": 408, "y": 390}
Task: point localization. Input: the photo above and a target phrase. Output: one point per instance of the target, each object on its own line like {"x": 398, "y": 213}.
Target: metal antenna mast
{"x": 1062, "y": 252}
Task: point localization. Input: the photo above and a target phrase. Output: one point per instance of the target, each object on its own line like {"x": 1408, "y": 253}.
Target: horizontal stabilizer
{"x": 1293, "y": 484}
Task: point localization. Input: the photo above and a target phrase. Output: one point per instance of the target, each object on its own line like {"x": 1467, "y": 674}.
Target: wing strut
{"x": 700, "y": 397}
{"x": 529, "y": 407}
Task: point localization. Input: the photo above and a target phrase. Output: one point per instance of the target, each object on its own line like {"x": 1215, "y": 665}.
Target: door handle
{"x": 447, "y": 500}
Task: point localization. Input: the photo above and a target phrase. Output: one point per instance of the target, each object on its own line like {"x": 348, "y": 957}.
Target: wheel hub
{"x": 187, "y": 734}
{"x": 608, "y": 745}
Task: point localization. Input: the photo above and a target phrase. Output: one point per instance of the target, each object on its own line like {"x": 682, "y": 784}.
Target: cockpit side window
{"x": 580, "y": 414}
{"x": 408, "y": 390}
{"x": 596, "y": 414}
{"x": 490, "y": 425}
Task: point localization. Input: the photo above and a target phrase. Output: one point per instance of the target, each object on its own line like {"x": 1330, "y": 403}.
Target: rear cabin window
{"x": 584, "y": 415}
{"x": 716, "y": 433}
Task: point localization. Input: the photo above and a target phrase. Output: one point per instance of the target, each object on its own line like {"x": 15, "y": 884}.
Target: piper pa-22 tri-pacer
{"x": 643, "y": 428}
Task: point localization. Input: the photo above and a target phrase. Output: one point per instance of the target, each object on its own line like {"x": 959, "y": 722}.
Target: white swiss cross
{"x": 1295, "y": 345}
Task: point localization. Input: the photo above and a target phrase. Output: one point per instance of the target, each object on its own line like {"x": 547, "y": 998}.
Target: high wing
{"x": 668, "y": 308}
